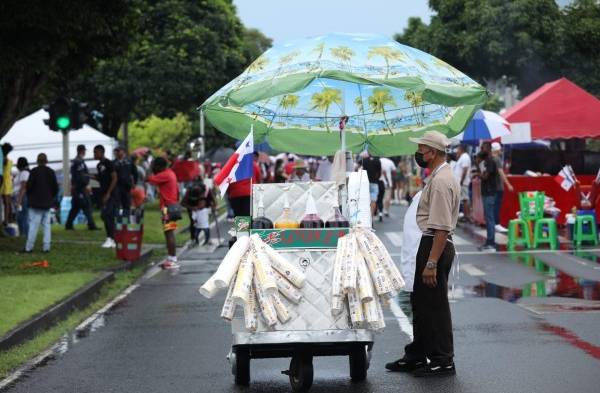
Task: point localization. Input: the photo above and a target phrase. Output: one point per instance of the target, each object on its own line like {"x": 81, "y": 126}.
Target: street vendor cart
{"x": 312, "y": 329}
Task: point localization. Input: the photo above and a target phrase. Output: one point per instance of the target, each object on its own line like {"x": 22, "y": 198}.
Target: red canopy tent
{"x": 558, "y": 110}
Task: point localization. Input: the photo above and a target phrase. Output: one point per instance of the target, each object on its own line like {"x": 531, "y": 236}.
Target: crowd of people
{"x": 29, "y": 197}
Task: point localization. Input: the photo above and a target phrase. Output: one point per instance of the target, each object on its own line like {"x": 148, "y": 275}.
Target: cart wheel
{"x": 359, "y": 363}
{"x": 241, "y": 367}
{"x": 301, "y": 373}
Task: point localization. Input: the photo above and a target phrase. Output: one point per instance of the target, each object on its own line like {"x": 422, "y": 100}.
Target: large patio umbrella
{"x": 296, "y": 94}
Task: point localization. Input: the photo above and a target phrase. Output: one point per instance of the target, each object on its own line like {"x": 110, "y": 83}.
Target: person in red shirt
{"x": 166, "y": 182}
{"x": 239, "y": 192}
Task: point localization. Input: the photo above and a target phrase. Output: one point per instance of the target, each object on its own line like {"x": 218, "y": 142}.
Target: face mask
{"x": 420, "y": 160}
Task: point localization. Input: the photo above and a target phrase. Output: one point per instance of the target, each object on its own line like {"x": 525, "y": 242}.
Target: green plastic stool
{"x": 579, "y": 236}
{"x": 531, "y": 204}
{"x": 518, "y": 234}
{"x": 538, "y": 233}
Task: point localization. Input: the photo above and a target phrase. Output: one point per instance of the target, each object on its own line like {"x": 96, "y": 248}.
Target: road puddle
{"x": 556, "y": 283}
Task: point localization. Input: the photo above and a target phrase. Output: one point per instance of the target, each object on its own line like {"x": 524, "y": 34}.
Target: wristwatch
{"x": 431, "y": 265}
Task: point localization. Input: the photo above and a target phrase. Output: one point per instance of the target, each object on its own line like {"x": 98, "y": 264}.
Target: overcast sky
{"x": 283, "y": 20}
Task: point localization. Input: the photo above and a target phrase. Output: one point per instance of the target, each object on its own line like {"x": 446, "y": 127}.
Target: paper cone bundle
{"x": 365, "y": 274}
{"x": 256, "y": 275}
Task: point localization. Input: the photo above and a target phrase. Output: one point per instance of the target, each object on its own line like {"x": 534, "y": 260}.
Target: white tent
{"x": 30, "y": 136}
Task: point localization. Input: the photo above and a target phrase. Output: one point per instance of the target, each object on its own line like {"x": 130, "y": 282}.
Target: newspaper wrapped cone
{"x": 365, "y": 275}
{"x": 256, "y": 275}
{"x": 229, "y": 306}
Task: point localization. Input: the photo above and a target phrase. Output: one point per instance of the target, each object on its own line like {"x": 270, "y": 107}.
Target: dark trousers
{"x": 432, "y": 323}
{"x": 489, "y": 209}
{"x": 109, "y": 210}
{"x": 240, "y": 206}
{"x": 80, "y": 201}
{"x": 123, "y": 199}
{"x": 380, "y": 194}
{"x": 497, "y": 206}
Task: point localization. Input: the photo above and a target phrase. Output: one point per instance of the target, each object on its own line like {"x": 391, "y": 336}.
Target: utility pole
{"x": 66, "y": 164}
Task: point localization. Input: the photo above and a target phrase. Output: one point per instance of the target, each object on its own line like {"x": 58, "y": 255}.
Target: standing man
{"x": 80, "y": 195}
{"x": 126, "y": 178}
{"x": 373, "y": 167}
{"x": 488, "y": 172}
{"x": 42, "y": 189}
{"x": 462, "y": 172}
{"x": 165, "y": 180}
{"x": 437, "y": 214}
{"x": 502, "y": 181}
{"x": 107, "y": 177}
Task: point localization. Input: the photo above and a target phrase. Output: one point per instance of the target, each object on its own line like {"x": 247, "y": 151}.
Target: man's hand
{"x": 105, "y": 198}
{"x": 429, "y": 277}
{"x": 510, "y": 187}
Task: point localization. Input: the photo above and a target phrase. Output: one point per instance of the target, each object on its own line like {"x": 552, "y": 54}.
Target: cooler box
{"x": 129, "y": 232}
{"x": 65, "y": 208}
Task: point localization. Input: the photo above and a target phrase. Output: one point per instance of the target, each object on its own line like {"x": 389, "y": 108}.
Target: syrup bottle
{"x": 311, "y": 218}
{"x": 338, "y": 220}
{"x": 286, "y": 222}
{"x": 261, "y": 222}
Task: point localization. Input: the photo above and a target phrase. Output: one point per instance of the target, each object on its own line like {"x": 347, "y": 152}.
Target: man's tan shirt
{"x": 440, "y": 201}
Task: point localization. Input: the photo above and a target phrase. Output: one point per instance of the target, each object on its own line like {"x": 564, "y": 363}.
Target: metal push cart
{"x": 312, "y": 330}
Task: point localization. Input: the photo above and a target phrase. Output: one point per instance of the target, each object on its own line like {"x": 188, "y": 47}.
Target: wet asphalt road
{"x": 165, "y": 337}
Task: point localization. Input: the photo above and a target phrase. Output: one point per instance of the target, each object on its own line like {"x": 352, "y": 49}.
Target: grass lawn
{"x": 23, "y": 296}
{"x": 153, "y": 233}
{"x": 14, "y": 357}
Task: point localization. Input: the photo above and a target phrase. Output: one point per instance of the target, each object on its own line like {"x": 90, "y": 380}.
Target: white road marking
{"x": 472, "y": 270}
{"x": 403, "y": 321}
{"x": 395, "y": 238}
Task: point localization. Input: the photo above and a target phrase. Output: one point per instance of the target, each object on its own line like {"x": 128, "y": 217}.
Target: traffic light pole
{"x": 66, "y": 164}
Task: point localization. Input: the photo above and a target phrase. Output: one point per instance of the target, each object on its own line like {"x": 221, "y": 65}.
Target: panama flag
{"x": 566, "y": 178}
{"x": 240, "y": 165}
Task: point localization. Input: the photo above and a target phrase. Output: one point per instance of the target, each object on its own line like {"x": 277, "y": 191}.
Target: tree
{"x": 388, "y": 54}
{"x": 289, "y": 101}
{"x": 416, "y": 100}
{"x": 323, "y": 100}
{"x": 46, "y": 43}
{"x": 255, "y": 44}
{"x": 182, "y": 52}
{"x": 580, "y": 60}
{"x": 161, "y": 133}
{"x": 381, "y": 98}
{"x": 487, "y": 39}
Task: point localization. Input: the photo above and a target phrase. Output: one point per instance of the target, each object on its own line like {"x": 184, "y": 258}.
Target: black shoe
{"x": 435, "y": 370}
{"x": 405, "y": 366}
{"x": 93, "y": 229}
{"x": 24, "y": 251}
{"x": 69, "y": 228}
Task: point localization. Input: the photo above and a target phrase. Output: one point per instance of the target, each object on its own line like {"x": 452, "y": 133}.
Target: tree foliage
{"x": 529, "y": 41}
{"x": 45, "y": 43}
{"x": 182, "y": 52}
{"x": 161, "y": 133}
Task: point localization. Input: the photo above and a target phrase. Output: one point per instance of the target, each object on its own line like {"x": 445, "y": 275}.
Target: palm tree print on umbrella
{"x": 289, "y": 101}
{"x": 388, "y": 54}
{"x": 443, "y": 65}
{"x": 259, "y": 64}
{"x": 323, "y": 100}
{"x": 343, "y": 53}
{"x": 416, "y": 100}
{"x": 381, "y": 98}
{"x": 318, "y": 49}
{"x": 286, "y": 59}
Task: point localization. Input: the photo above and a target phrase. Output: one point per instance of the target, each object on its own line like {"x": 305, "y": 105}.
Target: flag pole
{"x": 252, "y": 178}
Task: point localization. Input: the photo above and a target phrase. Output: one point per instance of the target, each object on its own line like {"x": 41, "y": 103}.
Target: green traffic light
{"x": 63, "y": 122}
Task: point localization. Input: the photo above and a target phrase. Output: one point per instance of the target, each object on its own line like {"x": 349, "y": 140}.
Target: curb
{"x": 48, "y": 317}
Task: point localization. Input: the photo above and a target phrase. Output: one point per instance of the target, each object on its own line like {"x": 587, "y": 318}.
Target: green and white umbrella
{"x": 295, "y": 94}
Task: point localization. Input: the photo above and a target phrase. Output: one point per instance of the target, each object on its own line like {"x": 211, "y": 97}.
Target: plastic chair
{"x": 579, "y": 233}
{"x": 518, "y": 234}
{"x": 532, "y": 205}
{"x": 539, "y": 234}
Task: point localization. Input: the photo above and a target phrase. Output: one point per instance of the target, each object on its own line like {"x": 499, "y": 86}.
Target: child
{"x": 200, "y": 222}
